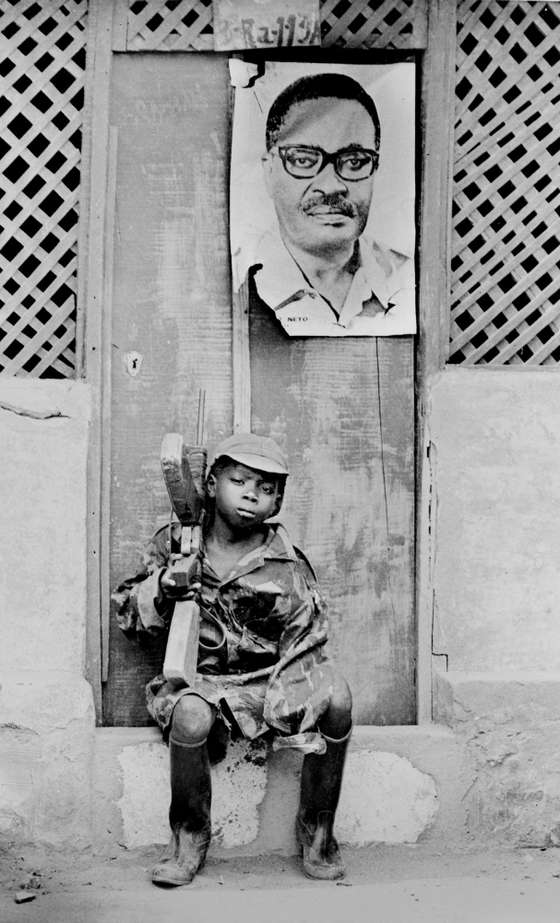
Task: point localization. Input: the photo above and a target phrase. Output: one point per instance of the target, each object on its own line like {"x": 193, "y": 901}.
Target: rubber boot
{"x": 189, "y": 815}
{"x": 321, "y": 778}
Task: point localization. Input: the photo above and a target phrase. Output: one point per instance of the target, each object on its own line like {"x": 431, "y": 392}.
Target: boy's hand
{"x": 167, "y": 583}
{"x": 170, "y": 586}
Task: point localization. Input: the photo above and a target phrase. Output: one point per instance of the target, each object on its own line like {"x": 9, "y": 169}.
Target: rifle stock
{"x": 181, "y": 653}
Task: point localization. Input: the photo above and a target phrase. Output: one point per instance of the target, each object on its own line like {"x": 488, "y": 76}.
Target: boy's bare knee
{"x": 337, "y": 720}
{"x": 341, "y": 698}
{"x": 192, "y": 720}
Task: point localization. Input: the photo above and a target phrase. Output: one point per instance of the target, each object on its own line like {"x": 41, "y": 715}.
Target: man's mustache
{"x": 336, "y": 202}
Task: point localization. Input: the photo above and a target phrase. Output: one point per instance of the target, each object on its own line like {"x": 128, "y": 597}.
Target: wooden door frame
{"x": 95, "y": 295}
{"x": 436, "y": 107}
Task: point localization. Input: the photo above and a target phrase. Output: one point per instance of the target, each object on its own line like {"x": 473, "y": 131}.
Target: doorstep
{"x": 401, "y": 784}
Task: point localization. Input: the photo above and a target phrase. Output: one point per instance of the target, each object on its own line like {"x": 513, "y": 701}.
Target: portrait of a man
{"x": 313, "y": 262}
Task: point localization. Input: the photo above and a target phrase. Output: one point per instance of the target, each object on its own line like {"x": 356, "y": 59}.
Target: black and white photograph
{"x": 279, "y": 461}
{"x": 323, "y": 197}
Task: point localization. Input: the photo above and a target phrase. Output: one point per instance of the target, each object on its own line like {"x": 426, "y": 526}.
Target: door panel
{"x": 344, "y": 407}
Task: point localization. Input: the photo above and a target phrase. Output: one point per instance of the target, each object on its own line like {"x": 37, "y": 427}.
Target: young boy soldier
{"x": 262, "y": 664}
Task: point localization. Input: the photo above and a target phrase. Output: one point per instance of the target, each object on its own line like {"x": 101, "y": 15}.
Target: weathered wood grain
{"x": 171, "y": 305}
{"x": 344, "y": 411}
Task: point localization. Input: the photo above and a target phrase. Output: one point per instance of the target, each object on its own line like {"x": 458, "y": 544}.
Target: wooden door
{"x": 344, "y": 407}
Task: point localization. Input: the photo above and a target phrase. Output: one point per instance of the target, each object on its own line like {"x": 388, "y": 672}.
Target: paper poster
{"x": 322, "y": 196}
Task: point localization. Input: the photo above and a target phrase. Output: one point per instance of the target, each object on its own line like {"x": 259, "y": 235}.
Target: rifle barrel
{"x": 200, "y": 417}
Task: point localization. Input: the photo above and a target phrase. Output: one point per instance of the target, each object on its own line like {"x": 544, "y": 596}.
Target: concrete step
{"x": 400, "y": 784}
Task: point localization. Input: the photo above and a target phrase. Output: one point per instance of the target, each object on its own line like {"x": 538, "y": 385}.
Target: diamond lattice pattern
{"x": 187, "y": 25}
{"x": 370, "y": 24}
{"x": 40, "y": 140}
{"x": 505, "y": 289}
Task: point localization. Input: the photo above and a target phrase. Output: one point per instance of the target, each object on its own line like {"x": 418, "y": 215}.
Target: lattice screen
{"x": 186, "y": 25}
{"x": 506, "y": 203}
{"x": 42, "y": 71}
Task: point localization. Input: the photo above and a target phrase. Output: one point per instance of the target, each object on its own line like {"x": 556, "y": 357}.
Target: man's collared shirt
{"x": 380, "y": 302}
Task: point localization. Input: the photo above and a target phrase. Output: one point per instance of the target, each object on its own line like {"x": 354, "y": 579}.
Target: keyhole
{"x": 133, "y": 363}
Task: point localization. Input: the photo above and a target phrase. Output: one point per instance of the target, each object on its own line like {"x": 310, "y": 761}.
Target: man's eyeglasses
{"x": 349, "y": 164}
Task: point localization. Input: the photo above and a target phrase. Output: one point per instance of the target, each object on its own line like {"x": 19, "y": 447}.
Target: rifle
{"x": 184, "y": 470}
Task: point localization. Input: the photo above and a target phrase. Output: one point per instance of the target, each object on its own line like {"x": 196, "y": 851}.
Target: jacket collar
{"x": 278, "y": 544}
{"x": 277, "y": 547}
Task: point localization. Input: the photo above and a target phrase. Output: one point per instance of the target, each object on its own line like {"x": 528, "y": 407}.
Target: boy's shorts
{"x": 238, "y": 702}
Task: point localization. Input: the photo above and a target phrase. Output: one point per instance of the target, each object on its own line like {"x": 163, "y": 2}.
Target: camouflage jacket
{"x": 275, "y": 623}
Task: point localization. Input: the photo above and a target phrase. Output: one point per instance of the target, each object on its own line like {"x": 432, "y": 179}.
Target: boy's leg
{"x": 321, "y": 779}
{"x": 189, "y": 813}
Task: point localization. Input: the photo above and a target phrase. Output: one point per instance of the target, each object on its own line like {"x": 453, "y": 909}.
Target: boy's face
{"x": 244, "y": 497}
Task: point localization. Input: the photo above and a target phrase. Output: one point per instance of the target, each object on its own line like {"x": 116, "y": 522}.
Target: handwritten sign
{"x": 241, "y": 25}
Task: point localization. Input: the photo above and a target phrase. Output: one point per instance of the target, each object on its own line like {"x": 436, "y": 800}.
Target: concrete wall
{"x": 46, "y": 714}
{"x": 507, "y": 725}
{"x": 495, "y": 469}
